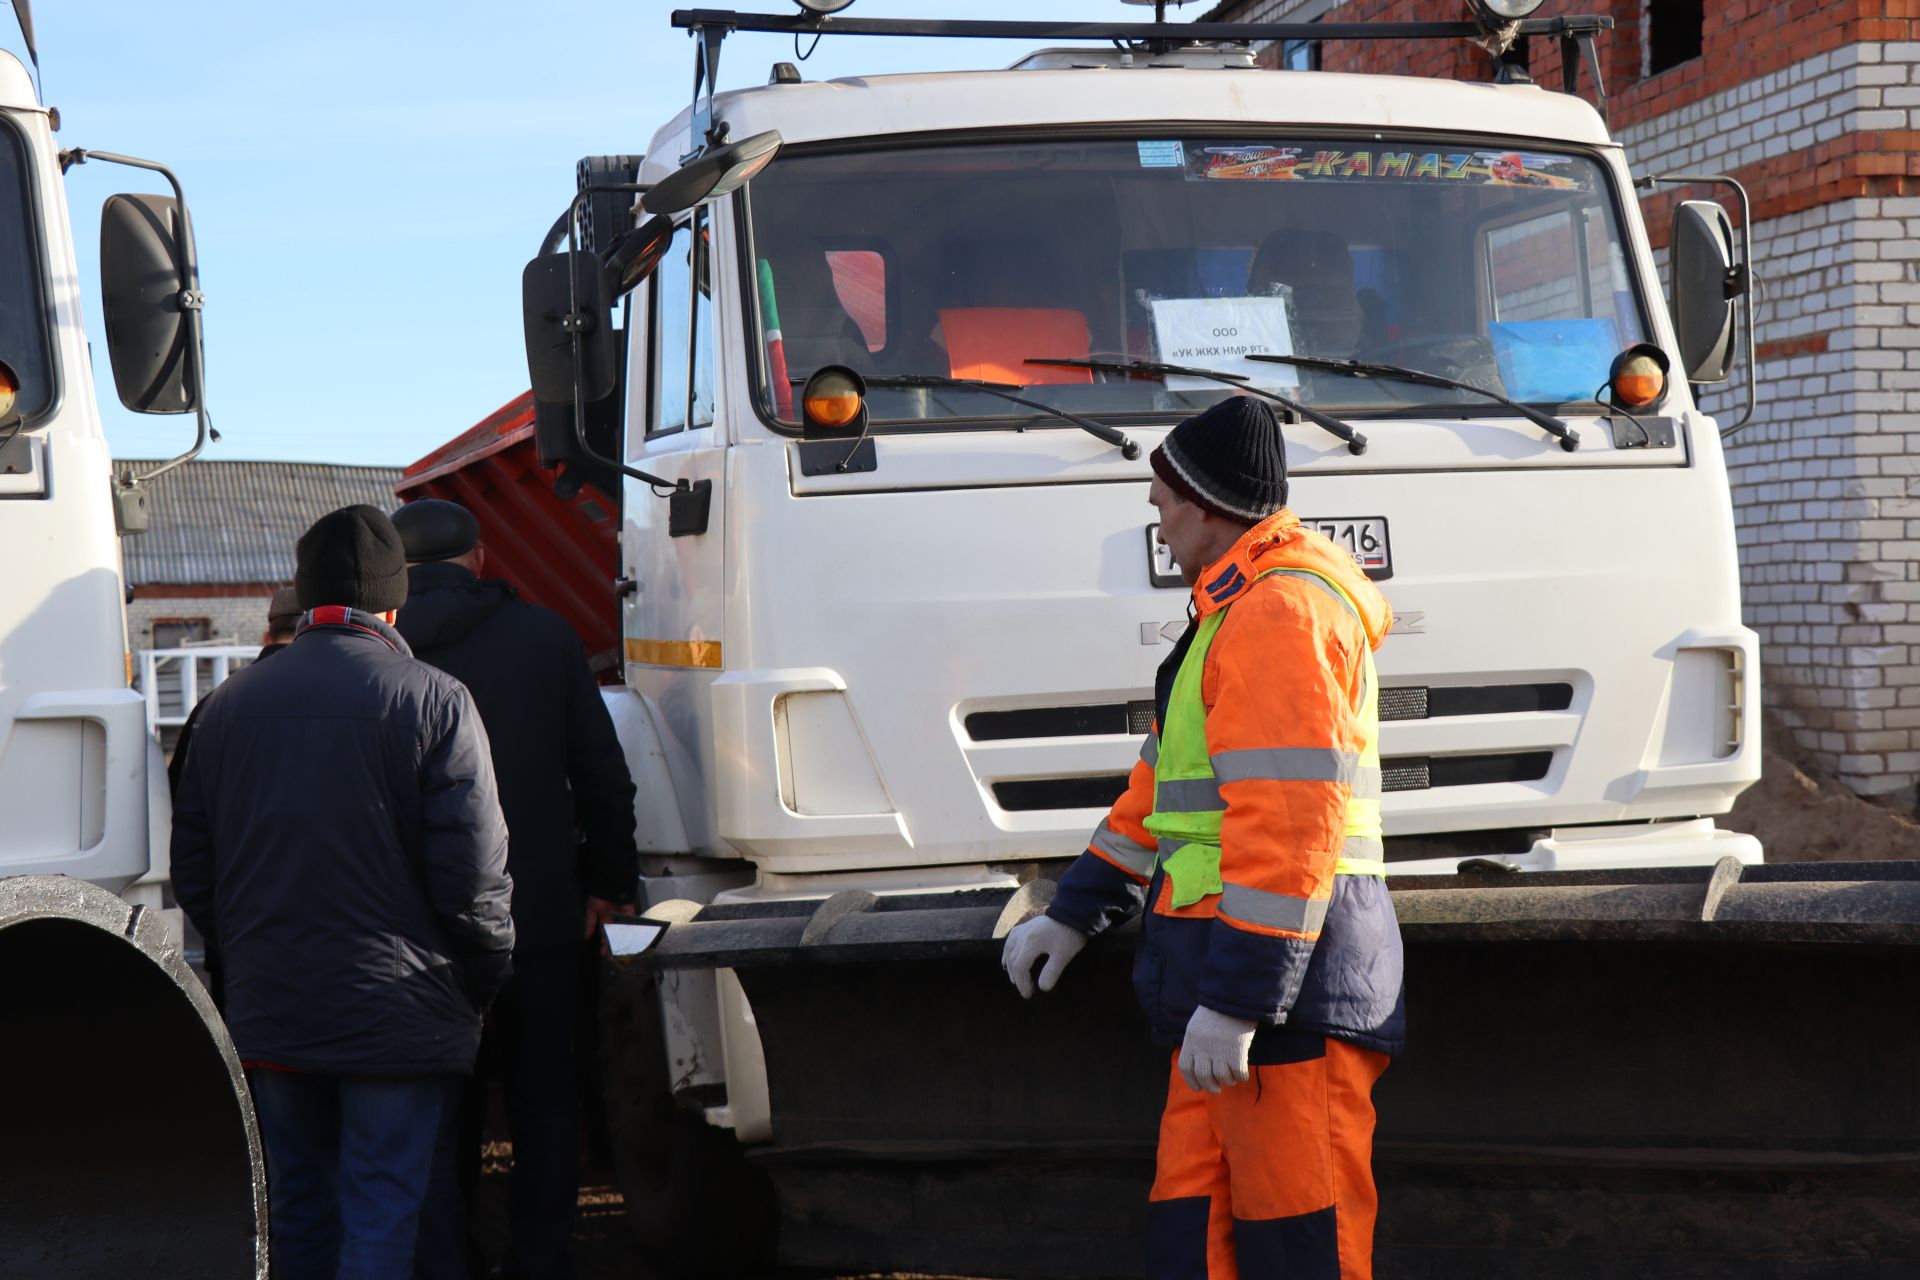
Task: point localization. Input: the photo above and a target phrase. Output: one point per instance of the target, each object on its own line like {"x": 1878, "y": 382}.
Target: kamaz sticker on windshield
{"x": 1331, "y": 164}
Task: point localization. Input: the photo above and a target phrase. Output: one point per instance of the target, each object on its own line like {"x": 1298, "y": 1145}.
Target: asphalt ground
{"x": 604, "y": 1248}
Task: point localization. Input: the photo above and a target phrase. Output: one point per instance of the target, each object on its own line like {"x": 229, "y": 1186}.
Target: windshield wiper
{"x": 1112, "y": 435}
{"x": 1356, "y": 443}
{"x": 1568, "y": 437}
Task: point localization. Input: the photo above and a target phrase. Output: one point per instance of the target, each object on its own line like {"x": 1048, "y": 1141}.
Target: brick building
{"x": 1814, "y": 106}
{"x": 222, "y": 542}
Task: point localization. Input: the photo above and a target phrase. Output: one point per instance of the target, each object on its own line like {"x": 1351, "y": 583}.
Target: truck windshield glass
{"x": 1502, "y": 268}
{"x": 23, "y": 306}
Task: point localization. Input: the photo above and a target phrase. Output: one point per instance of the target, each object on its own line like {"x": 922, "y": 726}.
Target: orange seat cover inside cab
{"x": 991, "y": 343}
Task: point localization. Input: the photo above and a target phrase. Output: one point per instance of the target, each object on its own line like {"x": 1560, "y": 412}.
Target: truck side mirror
{"x": 550, "y": 288}
{"x": 1705, "y": 283}
{"x": 635, "y": 254}
{"x": 146, "y": 296}
{"x": 712, "y": 175}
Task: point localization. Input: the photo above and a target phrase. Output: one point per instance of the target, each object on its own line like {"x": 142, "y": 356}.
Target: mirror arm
{"x": 1741, "y": 278}
{"x": 575, "y": 326}
{"x": 558, "y": 231}
{"x": 191, "y": 300}
{"x": 555, "y": 233}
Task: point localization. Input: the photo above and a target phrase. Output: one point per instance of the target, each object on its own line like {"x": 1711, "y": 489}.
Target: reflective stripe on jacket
{"x": 1242, "y": 857}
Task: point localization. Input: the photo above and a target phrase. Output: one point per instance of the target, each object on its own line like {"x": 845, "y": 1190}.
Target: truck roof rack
{"x": 805, "y": 24}
{"x": 1507, "y": 43}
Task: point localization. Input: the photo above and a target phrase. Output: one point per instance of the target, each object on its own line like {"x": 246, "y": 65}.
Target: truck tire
{"x": 699, "y": 1209}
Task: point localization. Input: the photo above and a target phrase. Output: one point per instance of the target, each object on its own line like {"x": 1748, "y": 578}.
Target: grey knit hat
{"x": 1230, "y": 459}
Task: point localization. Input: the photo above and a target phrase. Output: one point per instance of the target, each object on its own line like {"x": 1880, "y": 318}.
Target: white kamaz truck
{"x": 129, "y": 1147}
{"x": 870, "y": 368}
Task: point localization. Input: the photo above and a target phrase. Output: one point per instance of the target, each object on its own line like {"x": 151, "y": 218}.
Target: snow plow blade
{"x": 130, "y": 1146}
{"x": 1698, "y": 1072}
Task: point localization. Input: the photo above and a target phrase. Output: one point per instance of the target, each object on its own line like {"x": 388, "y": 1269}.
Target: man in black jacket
{"x": 337, "y": 838}
{"x": 568, "y": 799}
{"x": 283, "y": 618}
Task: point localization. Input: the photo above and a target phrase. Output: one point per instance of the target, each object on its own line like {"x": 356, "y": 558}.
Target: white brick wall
{"x": 233, "y": 619}
{"x": 1824, "y": 477}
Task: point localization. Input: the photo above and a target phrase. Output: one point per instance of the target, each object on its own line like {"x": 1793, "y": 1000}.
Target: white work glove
{"x": 1038, "y": 937}
{"x": 1213, "y": 1054}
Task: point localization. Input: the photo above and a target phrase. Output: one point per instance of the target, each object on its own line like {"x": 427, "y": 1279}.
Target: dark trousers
{"x": 529, "y": 1041}
{"x": 347, "y": 1166}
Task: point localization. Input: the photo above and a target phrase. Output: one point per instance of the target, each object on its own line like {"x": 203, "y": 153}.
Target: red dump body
{"x": 563, "y": 553}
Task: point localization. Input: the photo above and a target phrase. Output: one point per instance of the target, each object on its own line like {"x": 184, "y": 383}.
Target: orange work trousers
{"x": 1271, "y": 1179}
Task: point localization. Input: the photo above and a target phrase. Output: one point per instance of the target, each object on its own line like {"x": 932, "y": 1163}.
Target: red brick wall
{"x": 1741, "y": 39}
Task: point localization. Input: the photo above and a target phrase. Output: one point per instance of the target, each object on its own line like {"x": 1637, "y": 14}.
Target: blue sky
{"x": 368, "y": 179}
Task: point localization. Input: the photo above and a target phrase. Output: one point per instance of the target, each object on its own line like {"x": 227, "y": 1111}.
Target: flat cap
{"x": 283, "y": 611}
{"x": 435, "y": 529}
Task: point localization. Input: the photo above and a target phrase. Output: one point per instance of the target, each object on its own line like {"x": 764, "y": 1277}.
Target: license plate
{"x": 1362, "y": 537}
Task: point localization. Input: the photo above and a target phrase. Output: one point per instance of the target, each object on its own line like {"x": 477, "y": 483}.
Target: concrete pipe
{"x": 129, "y": 1146}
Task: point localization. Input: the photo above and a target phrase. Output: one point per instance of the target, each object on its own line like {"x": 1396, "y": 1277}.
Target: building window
{"x": 1300, "y": 55}
{"x": 1673, "y": 33}
{"x": 178, "y": 633}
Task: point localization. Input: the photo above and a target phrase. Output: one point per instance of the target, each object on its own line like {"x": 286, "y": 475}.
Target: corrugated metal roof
{"x": 234, "y": 522}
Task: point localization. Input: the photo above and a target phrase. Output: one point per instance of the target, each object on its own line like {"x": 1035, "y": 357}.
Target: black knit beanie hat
{"x": 351, "y": 557}
{"x": 435, "y": 529}
{"x": 1229, "y": 459}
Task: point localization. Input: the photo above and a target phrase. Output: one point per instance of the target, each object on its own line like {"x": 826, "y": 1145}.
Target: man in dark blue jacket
{"x": 337, "y": 838}
{"x": 568, "y": 800}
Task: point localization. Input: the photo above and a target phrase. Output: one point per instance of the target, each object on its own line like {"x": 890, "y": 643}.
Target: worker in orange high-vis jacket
{"x": 1270, "y": 958}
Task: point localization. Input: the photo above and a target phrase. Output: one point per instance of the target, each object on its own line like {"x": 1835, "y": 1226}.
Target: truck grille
{"x": 1423, "y": 702}
{"x": 1422, "y": 773}
{"x": 1084, "y": 721}
{"x": 1401, "y": 773}
{"x": 1030, "y": 794}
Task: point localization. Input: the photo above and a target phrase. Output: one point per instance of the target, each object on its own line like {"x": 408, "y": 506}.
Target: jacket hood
{"x": 445, "y": 602}
{"x": 1282, "y": 542}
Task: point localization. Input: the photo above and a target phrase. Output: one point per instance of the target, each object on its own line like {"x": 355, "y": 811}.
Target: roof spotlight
{"x": 821, "y": 8}
{"x": 1497, "y": 13}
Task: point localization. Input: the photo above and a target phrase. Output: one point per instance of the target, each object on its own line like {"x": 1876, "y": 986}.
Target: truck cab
{"x": 73, "y": 734}
{"x": 81, "y": 789}
{"x": 920, "y": 650}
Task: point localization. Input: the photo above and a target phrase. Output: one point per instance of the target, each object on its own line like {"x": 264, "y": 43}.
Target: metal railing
{"x": 173, "y": 680}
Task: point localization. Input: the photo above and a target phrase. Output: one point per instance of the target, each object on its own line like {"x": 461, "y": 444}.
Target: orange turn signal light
{"x": 833, "y": 398}
{"x": 1638, "y": 378}
{"x": 9, "y": 390}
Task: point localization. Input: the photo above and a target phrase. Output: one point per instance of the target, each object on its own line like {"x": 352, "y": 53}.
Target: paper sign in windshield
{"x": 1312, "y": 163}
{"x": 1219, "y": 334}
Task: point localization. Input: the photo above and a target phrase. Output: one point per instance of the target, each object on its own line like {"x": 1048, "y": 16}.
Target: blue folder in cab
{"x": 1554, "y": 361}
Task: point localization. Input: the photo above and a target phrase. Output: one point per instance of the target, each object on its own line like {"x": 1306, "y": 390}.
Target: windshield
{"x": 1502, "y": 268}
{"x": 23, "y": 308}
